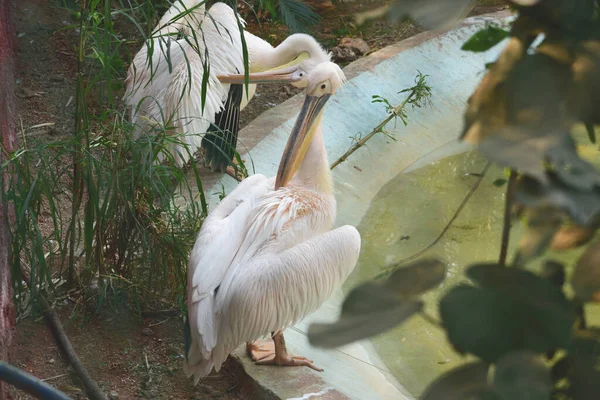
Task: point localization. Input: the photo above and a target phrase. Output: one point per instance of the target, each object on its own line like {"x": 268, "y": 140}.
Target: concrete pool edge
{"x": 371, "y": 374}
{"x": 301, "y": 380}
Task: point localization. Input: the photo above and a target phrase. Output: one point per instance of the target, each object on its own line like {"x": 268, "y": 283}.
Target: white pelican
{"x": 265, "y": 256}
{"x": 187, "y": 42}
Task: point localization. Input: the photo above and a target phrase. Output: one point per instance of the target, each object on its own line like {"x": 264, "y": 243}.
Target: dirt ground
{"x": 132, "y": 357}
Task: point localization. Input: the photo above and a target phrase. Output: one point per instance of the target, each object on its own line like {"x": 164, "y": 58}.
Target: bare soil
{"x": 129, "y": 357}
{"x": 132, "y": 357}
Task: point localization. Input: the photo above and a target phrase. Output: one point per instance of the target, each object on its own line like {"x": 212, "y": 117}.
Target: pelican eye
{"x": 323, "y": 86}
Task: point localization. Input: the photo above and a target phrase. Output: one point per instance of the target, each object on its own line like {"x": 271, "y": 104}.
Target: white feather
{"x": 171, "y": 95}
{"x": 164, "y": 80}
{"x": 272, "y": 259}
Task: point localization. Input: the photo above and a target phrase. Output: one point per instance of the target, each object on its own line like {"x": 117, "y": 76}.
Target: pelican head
{"x": 305, "y": 53}
{"x": 322, "y": 82}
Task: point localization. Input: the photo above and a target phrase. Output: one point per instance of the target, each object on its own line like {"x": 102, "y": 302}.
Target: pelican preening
{"x": 265, "y": 257}
{"x": 190, "y": 41}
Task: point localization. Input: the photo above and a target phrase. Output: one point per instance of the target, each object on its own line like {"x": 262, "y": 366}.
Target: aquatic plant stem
{"x": 235, "y": 174}
{"x": 462, "y": 205}
{"x": 397, "y": 110}
{"x": 510, "y": 188}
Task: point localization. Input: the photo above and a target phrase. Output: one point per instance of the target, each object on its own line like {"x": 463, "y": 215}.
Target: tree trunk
{"x": 7, "y": 138}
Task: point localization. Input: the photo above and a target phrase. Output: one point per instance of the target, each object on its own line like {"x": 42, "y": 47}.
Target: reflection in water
{"x": 406, "y": 216}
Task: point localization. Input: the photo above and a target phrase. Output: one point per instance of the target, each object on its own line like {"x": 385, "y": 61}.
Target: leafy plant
{"x": 527, "y": 329}
{"x": 485, "y": 39}
{"x": 295, "y": 14}
{"x": 99, "y": 209}
{"x": 418, "y": 96}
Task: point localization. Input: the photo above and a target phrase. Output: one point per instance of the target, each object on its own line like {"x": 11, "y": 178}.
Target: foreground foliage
{"x": 528, "y": 330}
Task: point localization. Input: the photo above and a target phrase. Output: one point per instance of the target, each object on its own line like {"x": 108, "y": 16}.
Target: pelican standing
{"x": 166, "y": 88}
{"x": 266, "y": 256}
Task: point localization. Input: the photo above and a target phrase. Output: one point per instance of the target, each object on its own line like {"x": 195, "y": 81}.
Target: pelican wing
{"x": 181, "y": 90}
{"x": 182, "y": 16}
{"x": 277, "y": 290}
{"x": 220, "y": 238}
{"x": 220, "y": 141}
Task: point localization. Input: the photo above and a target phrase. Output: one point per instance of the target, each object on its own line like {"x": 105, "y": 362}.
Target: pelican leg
{"x": 282, "y": 358}
{"x": 260, "y": 349}
{"x": 238, "y": 176}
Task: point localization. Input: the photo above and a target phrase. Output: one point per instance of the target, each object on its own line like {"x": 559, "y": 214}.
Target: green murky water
{"x": 406, "y": 216}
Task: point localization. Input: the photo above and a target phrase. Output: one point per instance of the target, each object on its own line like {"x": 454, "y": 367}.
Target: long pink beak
{"x": 273, "y": 76}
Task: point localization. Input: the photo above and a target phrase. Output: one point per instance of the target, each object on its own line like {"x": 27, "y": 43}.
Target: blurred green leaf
{"x": 571, "y": 236}
{"x": 380, "y": 317}
{"x": 570, "y": 17}
{"x": 561, "y": 368}
{"x": 554, "y": 272}
{"x": 485, "y": 39}
{"x": 297, "y": 15}
{"x": 591, "y": 131}
{"x": 582, "y": 206}
{"x": 581, "y": 367}
{"x": 513, "y": 310}
{"x": 520, "y": 149}
{"x": 584, "y": 99}
{"x": 585, "y": 379}
{"x": 508, "y": 280}
{"x": 416, "y": 278}
{"x": 499, "y": 182}
{"x": 431, "y": 14}
{"x": 524, "y": 92}
{"x": 526, "y": 3}
{"x": 522, "y": 376}
{"x": 586, "y": 275}
{"x": 466, "y": 382}
{"x": 486, "y": 111}
{"x": 377, "y": 306}
{"x": 542, "y": 225}
{"x": 521, "y": 126}
{"x": 570, "y": 168}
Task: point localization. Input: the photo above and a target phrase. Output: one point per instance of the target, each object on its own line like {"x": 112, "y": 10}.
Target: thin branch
{"x": 54, "y": 377}
{"x": 510, "y": 188}
{"x": 173, "y": 312}
{"x": 91, "y": 387}
{"x": 238, "y": 176}
{"x": 146, "y": 359}
{"x": 159, "y": 323}
{"x": 394, "y": 114}
{"x": 462, "y": 205}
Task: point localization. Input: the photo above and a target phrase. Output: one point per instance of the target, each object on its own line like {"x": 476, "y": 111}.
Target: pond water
{"x": 406, "y": 216}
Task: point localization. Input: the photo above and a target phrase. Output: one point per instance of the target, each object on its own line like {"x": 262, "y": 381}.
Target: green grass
{"x": 97, "y": 209}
